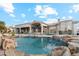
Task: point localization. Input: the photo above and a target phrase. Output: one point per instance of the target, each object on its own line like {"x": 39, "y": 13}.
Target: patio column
{"x": 19, "y": 30}
{"x": 56, "y": 30}
{"x": 72, "y": 28}
{"x": 30, "y": 31}
{"x": 41, "y": 29}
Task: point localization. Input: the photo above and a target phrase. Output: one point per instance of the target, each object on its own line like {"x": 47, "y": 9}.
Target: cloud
{"x": 70, "y": 17}
{"x": 12, "y": 15}
{"x": 70, "y": 11}
{"x": 50, "y": 10}
{"x": 66, "y": 17}
{"x": 38, "y": 9}
{"x": 23, "y": 15}
{"x": 43, "y": 16}
{"x": 63, "y": 17}
{"x": 8, "y": 7}
{"x": 48, "y": 21}
{"x": 75, "y": 8}
{"x": 45, "y": 11}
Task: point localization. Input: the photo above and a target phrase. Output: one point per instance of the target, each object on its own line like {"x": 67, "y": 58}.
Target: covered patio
{"x": 32, "y": 28}
{"x": 39, "y": 27}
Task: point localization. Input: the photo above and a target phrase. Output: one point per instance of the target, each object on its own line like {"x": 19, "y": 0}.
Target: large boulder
{"x": 9, "y": 46}
{"x": 1, "y": 52}
{"x": 67, "y": 52}
{"x": 72, "y": 49}
{"x": 58, "y": 51}
{"x": 61, "y": 51}
{"x": 0, "y": 40}
{"x": 75, "y": 54}
{"x": 8, "y": 43}
{"x": 19, "y": 53}
{"x": 67, "y": 38}
{"x": 9, "y": 52}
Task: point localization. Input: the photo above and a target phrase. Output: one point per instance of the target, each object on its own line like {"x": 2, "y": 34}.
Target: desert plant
{"x": 60, "y": 32}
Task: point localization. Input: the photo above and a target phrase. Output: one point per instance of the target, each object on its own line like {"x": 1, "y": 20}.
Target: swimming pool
{"x": 37, "y": 45}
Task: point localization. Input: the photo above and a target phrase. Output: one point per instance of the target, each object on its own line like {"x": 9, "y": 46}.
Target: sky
{"x": 18, "y": 13}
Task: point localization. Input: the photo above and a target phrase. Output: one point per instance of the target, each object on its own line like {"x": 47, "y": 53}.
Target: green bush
{"x": 60, "y": 32}
{"x": 69, "y": 32}
{"x": 13, "y": 33}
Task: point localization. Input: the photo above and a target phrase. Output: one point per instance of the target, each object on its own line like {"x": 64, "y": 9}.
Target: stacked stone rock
{"x": 61, "y": 51}
{"x": 67, "y": 38}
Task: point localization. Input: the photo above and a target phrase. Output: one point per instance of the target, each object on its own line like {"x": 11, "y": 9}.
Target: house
{"x": 63, "y": 27}
{"x": 36, "y": 27}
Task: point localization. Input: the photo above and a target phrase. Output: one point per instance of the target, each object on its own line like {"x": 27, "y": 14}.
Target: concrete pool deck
{"x": 32, "y": 35}
{"x": 43, "y": 35}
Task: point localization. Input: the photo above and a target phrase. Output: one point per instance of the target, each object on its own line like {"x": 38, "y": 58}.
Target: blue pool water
{"x": 37, "y": 45}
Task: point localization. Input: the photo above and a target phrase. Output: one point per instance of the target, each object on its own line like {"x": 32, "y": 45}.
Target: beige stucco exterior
{"x": 65, "y": 25}
{"x": 54, "y": 28}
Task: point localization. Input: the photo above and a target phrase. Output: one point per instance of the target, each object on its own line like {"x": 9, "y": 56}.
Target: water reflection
{"x": 38, "y": 45}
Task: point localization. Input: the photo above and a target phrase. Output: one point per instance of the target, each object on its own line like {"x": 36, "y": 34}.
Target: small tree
{"x": 2, "y": 27}
{"x": 13, "y": 33}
